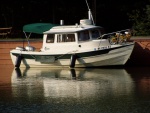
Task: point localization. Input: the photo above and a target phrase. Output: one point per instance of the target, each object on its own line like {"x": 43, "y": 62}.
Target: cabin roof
{"x": 49, "y": 28}
{"x": 70, "y": 28}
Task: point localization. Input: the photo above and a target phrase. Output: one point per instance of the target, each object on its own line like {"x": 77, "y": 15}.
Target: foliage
{"x": 112, "y": 15}
{"x": 141, "y": 21}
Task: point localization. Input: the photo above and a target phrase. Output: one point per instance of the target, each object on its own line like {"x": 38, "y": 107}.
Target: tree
{"x": 141, "y": 21}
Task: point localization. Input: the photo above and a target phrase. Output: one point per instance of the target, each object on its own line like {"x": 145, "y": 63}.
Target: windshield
{"x": 95, "y": 33}
{"x": 83, "y": 36}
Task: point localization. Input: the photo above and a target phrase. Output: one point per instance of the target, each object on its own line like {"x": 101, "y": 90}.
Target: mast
{"x": 90, "y": 16}
{"x": 94, "y": 10}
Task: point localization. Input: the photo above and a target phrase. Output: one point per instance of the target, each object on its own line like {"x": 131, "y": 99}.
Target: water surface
{"x": 90, "y": 90}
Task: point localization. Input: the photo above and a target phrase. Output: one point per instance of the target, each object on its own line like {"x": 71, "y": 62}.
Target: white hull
{"x": 117, "y": 56}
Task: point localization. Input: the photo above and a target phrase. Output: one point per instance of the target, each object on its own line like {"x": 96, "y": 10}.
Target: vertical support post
{"x": 73, "y": 60}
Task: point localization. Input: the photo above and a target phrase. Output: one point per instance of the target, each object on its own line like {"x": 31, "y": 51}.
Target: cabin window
{"x": 95, "y": 34}
{"x": 50, "y": 38}
{"x": 83, "y": 36}
{"x": 65, "y": 38}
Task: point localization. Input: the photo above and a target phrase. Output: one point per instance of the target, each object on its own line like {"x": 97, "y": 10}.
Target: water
{"x": 81, "y": 90}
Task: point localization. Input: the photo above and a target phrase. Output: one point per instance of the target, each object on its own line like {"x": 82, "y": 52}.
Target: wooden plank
{"x": 5, "y": 62}
{"x": 5, "y": 51}
{"x": 3, "y": 34}
{"x": 5, "y": 57}
{"x": 13, "y": 45}
{"x": 6, "y": 28}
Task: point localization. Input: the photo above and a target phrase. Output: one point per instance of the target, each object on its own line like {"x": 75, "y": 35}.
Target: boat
{"x": 78, "y": 45}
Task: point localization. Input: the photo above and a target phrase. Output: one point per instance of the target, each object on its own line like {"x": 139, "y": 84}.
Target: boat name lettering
{"x": 105, "y": 47}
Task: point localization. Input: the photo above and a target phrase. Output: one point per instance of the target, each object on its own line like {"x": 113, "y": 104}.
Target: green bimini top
{"x": 38, "y": 28}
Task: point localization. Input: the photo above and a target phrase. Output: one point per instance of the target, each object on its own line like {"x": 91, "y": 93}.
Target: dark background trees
{"x": 110, "y": 14}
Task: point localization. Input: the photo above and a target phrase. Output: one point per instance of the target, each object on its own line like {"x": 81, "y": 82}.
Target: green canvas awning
{"x": 38, "y": 28}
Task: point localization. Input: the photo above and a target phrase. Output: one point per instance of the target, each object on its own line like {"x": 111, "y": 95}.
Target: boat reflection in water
{"x": 71, "y": 83}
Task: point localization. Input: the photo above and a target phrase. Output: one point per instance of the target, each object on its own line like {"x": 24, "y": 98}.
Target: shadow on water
{"x": 79, "y": 90}
{"x": 141, "y": 78}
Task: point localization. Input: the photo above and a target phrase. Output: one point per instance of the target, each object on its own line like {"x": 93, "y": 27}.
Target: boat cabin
{"x": 70, "y": 35}
{"x": 84, "y": 35}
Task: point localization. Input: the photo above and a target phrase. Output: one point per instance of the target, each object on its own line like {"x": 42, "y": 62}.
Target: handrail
{"x": 114, "y": 32}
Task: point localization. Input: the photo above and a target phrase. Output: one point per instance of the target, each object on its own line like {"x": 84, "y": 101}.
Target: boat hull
{"x": 107, "y": 57}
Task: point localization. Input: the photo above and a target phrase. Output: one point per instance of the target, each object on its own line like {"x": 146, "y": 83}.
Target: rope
{"x": 67, "y": 53}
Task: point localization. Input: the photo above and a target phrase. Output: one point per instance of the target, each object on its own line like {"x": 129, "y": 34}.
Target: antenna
{"x": 89, "y": 12}
{"x": 87, "y": 4}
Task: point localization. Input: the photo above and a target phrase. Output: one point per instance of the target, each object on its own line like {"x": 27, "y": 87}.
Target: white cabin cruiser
{"x": 79, "y": 45}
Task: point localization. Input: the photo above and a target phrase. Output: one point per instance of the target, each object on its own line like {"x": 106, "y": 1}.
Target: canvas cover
{"x": 38, "y": 28}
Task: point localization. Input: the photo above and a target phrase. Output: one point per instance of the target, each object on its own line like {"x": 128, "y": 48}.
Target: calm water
{"x": 82, "y": 90}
